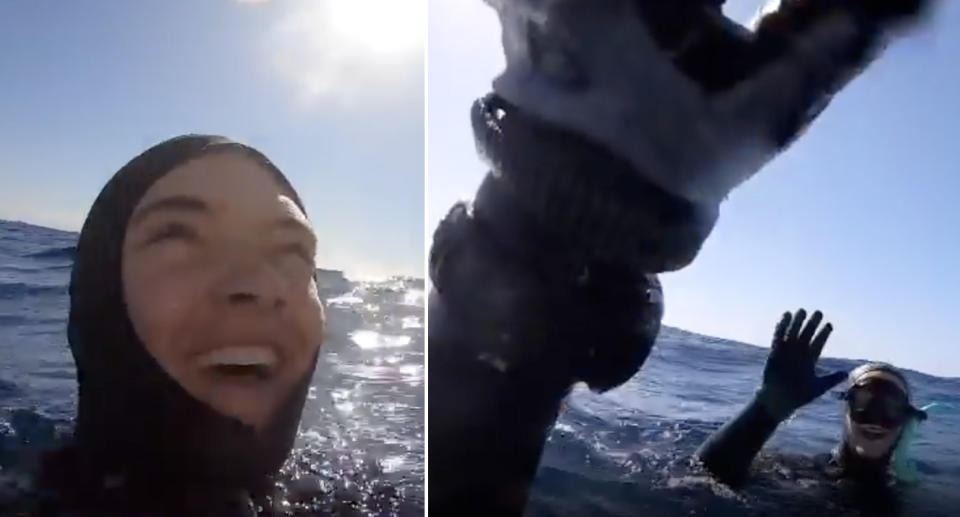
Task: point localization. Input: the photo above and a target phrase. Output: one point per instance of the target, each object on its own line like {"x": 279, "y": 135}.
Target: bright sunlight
{"x": 338, "y": 48}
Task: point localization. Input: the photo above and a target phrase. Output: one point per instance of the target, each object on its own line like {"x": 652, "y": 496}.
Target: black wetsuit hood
{"x": 134, "y": 422}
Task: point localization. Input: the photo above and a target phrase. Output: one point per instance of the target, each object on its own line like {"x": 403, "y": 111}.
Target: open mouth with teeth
{"x": 873, "y": 432}
{"x": 240, "y": 363}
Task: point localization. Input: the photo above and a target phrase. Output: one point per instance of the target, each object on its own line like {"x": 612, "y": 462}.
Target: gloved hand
{"x": 789, "y": 378}
{"x": 620, "y": 125}
{"x": 694, "y": 101}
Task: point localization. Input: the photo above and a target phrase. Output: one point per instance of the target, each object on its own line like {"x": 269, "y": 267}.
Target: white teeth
{"x": 239, "y": 356}
{"x": 876, "y": 430}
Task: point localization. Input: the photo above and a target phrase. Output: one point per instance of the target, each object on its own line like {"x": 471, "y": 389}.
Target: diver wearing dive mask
{"x": 879, "y": 420}
{"x": 881, "y": 403}
{"x": 878, "y": 409}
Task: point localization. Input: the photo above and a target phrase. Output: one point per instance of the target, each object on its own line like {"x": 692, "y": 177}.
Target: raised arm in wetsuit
{"x": 789, "y": 383}
{"x": 878, "y": 410}
{"x": 615, "y": 132}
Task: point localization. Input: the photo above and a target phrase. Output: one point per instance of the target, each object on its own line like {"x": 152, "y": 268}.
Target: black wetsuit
{"x": 729, "y": 452}
{"x": 547, "y": 278}
{"x": 516, "y": 317}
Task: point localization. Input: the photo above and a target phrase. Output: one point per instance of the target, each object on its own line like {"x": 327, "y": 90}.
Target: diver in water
{"x": 195, "y": 326}
{"x": 613, "y": 135}
{"x": 876, "y": 422}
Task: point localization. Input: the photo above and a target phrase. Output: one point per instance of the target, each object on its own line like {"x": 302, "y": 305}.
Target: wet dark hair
{"x": 133, "y": 420}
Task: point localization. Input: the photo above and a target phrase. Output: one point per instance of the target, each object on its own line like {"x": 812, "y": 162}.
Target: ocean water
{"x": 360, "y": 450}
{"x": 627, "y": 452}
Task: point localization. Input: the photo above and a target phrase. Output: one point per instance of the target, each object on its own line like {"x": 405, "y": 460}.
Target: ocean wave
{"x": 9, "y": 320}
{"x": 19, "y": 289}
{"x": 64, "y": 252}
{"x": 7, "y": 388}
{"x": 26, "y": 269}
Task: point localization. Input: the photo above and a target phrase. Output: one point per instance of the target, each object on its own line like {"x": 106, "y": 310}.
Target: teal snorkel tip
{"x": 903, "y": 467}
{"x": 935, "y": 407}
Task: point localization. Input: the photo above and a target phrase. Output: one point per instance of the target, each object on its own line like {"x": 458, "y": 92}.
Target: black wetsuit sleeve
{"x": 487, "y": 427}
{"x": 728, "y": 452}
{"x": 506, "y": 345}
{"x": 516, "y": 318}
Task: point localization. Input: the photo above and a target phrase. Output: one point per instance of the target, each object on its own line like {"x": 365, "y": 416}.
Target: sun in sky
{"x": 341, "y": 48}
{"x": 380, "y": 27}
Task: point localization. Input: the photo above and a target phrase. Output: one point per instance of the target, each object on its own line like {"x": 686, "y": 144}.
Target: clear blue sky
{"x": 859, "y": 219}
{"x": 333, "y": 97}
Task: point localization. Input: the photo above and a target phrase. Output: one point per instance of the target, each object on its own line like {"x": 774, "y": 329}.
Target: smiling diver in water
{"x": 878, "y": 420}
{"x": 195, "y": 327}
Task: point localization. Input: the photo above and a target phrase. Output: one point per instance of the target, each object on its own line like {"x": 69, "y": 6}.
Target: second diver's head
{"x": 194, "y": 321}
{"x": 878, "y": 407}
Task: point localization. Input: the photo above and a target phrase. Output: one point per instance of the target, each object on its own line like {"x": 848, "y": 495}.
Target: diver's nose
{"x": 249, "y": 283}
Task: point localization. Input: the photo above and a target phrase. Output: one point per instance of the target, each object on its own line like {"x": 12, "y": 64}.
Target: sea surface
{"x": 628, "y": 452}
{"x": 360, "y": 450}
{"x": 623, "y": 453}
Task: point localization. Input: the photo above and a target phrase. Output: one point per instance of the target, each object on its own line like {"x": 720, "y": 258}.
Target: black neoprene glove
{"x": 789, "y": 378}
{"x": 619, "y": 126}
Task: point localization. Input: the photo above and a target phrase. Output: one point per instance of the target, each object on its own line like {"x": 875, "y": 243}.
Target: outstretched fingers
{"x": 816, "y": 347}
{"x": 780, "y": 333}
{"x": 794, "y": 331}
{"x": 807, "y": 335}
{"x": 804, "y": 57}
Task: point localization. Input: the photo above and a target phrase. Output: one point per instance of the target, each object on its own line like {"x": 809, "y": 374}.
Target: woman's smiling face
{"x": 218, "y": 264}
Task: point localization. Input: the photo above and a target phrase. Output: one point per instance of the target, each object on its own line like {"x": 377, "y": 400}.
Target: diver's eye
{"x": 172, "y": 231}
{"x": 896, "y": 411}
{"x": 859, "y": 399}
{"x": 298, "y": 250}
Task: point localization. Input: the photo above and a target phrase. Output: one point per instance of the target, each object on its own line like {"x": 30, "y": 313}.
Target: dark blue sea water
{"x": 360, "y": 450}
{"x": 622, "y": 453}
{"x": 627, "y": 452}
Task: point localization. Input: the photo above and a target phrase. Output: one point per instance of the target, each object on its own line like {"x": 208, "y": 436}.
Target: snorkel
{"x": 903, "y": 467}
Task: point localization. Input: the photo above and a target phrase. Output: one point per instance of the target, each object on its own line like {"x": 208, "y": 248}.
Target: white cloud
{"x": 351, "y": 51}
